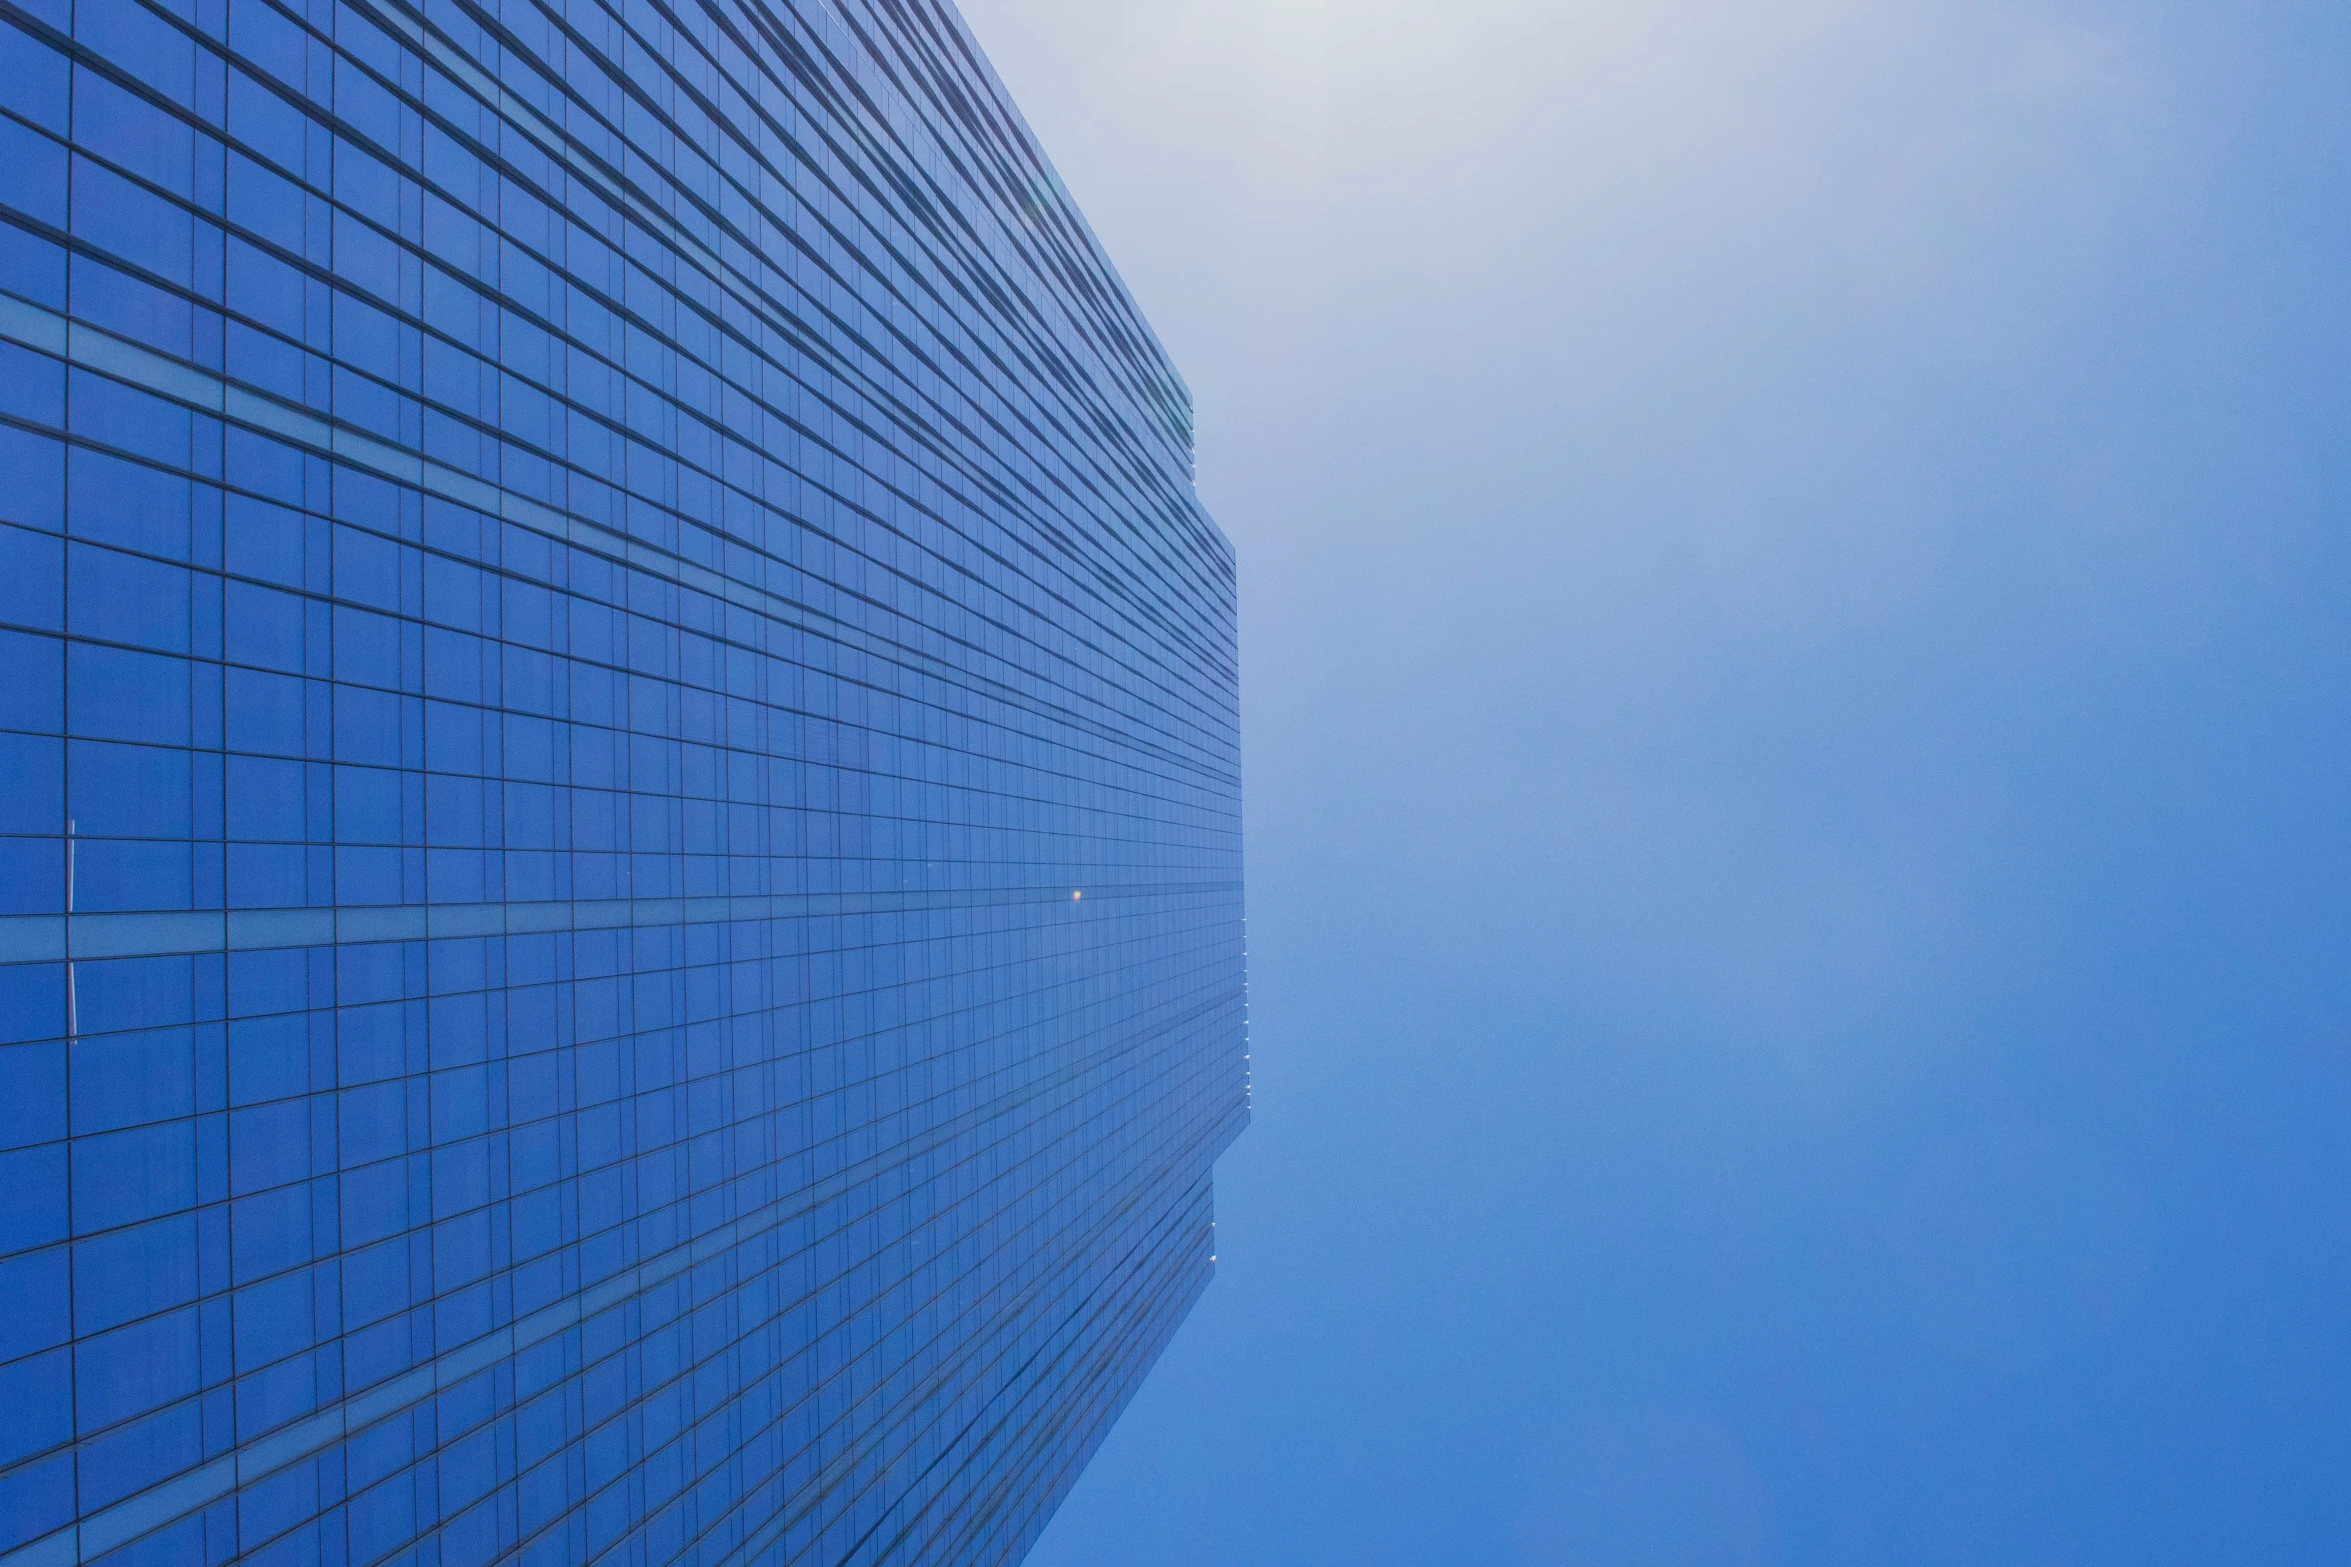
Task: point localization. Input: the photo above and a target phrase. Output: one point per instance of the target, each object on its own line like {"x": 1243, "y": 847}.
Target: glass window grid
{"x": 1007, "y": 745}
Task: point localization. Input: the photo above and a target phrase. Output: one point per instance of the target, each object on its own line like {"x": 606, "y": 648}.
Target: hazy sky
{"x": 1797, "y": 620}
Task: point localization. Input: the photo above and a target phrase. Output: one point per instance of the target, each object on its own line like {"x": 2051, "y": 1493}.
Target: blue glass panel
{"x": 128, "y": 504}
{"x": 35, "y": 464}
{"x": 32, "y": 1198}
{"x": 134, "y": 1273}
{"x": 123, "y": 1080}
{"x": 36, "y": 1404}
{"x": 134, "y": 134}
{"x": 32, "y": 784}
{"x": 32, "y": 172}
{"x": 36, "y": 1285}
{"x": 32, "y": 1075}
{"x": 35, "y": 1500}
{"x": 124, "y": 1177}
{"x": 149, "y": 232}
{"x": 143, "y": 44}
{"x": 34, "y": 80}
{"x": 32, "y": 386}
{"x": 132, "y": 1370}
{"x": 129, "y": 307}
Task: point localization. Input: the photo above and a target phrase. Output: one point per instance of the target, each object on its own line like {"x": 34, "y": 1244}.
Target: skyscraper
{"x": 620, "y": 905}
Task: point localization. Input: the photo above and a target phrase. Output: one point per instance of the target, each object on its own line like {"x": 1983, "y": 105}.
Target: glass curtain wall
{"x": 620, "y": 904}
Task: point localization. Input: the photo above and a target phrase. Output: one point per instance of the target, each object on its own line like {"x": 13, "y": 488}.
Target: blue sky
{"x": 1798, "y": 719}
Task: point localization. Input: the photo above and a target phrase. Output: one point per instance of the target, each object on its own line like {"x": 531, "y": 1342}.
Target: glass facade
{"x": 620, "y": 905}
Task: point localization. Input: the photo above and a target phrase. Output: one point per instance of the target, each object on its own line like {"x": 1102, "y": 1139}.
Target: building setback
{"x": 620, "y": 883}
